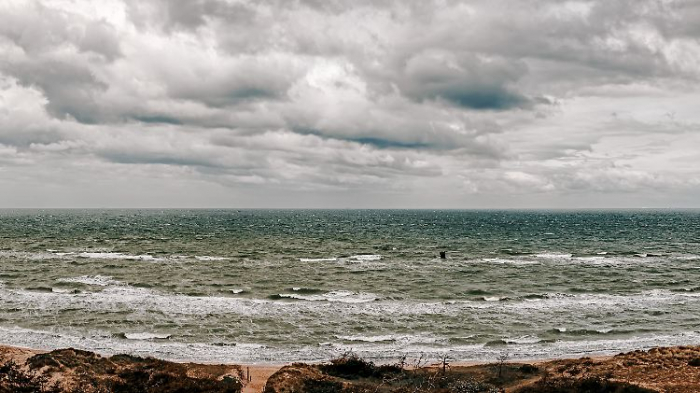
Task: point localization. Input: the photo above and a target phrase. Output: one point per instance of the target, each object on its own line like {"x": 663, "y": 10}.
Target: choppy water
{"x": 273, "y": 286}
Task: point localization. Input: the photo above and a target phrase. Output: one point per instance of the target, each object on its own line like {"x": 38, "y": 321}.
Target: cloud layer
{"x": 305, "y": 103}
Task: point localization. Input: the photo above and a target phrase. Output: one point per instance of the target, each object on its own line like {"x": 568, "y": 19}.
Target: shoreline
{"x": 388, "y": 361}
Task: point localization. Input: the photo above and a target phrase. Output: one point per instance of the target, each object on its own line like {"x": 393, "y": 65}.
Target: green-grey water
{"x": 283, "y": 285}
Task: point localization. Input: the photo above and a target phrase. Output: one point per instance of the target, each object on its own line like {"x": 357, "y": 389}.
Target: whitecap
{"x": 116, "y": 255}
{"x": 403, "y": 339}
{"x": 366, "y": 257}
{"x": 97, "y": 280}
{"x": 369, "y": 339}
{"x": 514, "y": 262}
{"x": 210, "y": 258}
{"x": 689, "y": 257}
{"x": 147, "y": 336}
{"x": 61, "y": 290}
{"x": 34, "y": 256}
{"x": 553, "y": 255}
{"x": 334, "y": 296}
{"x": 257, "y": 353}
{"x": 527, "y": 339}
{"x": 318, "y": 259}
{"x": 590, "y": 258}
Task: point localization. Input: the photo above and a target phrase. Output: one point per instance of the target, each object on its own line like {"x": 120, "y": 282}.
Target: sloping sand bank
{"x": 669, "y": 370}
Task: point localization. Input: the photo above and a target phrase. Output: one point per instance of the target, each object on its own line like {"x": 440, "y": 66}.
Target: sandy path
{"x": 258, "y": 376}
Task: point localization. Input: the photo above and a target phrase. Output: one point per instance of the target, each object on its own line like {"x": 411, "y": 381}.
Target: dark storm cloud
{"x": 232, "y": 81}
{"x": 467, "y": 81}
{"x": 70, "y": 90}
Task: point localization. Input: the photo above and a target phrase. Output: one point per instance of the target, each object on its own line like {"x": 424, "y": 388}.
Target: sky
{"x": 350, "y": 104}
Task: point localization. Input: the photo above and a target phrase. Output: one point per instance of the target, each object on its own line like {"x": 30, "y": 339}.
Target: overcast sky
{"x": 322, "y": 103}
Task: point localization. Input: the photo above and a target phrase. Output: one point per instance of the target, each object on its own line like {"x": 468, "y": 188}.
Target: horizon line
{"x": 354, "y": 208}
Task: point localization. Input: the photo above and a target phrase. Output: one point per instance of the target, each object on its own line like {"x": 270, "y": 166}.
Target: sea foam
{"x": 97, "y": 280}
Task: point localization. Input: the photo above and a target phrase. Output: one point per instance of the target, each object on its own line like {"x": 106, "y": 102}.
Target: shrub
{"x": 472, "y": 386}
{"x": 528, "y": 369}
{"x": 585, "y": 385}
{"x": 351, "y": 366}
{"x": 14, "y": 380}
{"x": 322, "y": 387}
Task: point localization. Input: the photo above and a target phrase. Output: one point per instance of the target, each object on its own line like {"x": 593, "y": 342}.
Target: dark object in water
{"x": 443, "y": 255}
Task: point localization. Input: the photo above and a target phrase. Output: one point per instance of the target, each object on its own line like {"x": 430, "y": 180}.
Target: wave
{"x": 40, "y": 289}
{"x": 604, "y": 258}
{"x": 146, "y": 336}
{"x": 393, "y": 338}
{"x": 553, "y": 255}
{"x": 352, "y": 258}
{"x": 592, "y": 332}
{"x": 306, "y": 290}
{"x": 526, "y": 339}
{"x": 693, "y": 289}
{"x": 97, "y": 280}
{"x": 210, "y": 258}
{"x": 514, "y": 262}
{"x": 369, "y": 339}
{"x": 157, "y": 345}
{"x": 365, "y": 257}
{"x": 65, "y": 290}
{"x": 344, "y": 304}
{"x": 100, "y": 254}
{"x": 26, "y": 255}
{"x": 374, "y": 347}
{"x": 687, "y": 257}
{"x": 117, "y": 255}
{"x": 333, "y": 296}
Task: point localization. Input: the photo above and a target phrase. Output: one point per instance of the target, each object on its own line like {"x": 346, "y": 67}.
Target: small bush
{"x": 142, "y": 381}
{"x": 471, "y": 386}
{"x": 14, "y": 380}
{"x": 586, "y": 385}
{"x": 322, "y": 387}
{"x": 528, "y": 369}
{"x": 351, "y": 366}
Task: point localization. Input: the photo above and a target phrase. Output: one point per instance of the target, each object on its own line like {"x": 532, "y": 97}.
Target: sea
{"x": 275, "y": 286}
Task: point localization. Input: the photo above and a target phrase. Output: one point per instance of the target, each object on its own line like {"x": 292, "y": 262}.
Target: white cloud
{"x": 418, "y": 103}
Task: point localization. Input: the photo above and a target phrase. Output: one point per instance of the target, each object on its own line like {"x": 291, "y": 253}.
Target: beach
{"x": 224, "y": 295}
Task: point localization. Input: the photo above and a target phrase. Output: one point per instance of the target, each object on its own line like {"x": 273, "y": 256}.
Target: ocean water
{"x": 262, "y": 286}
